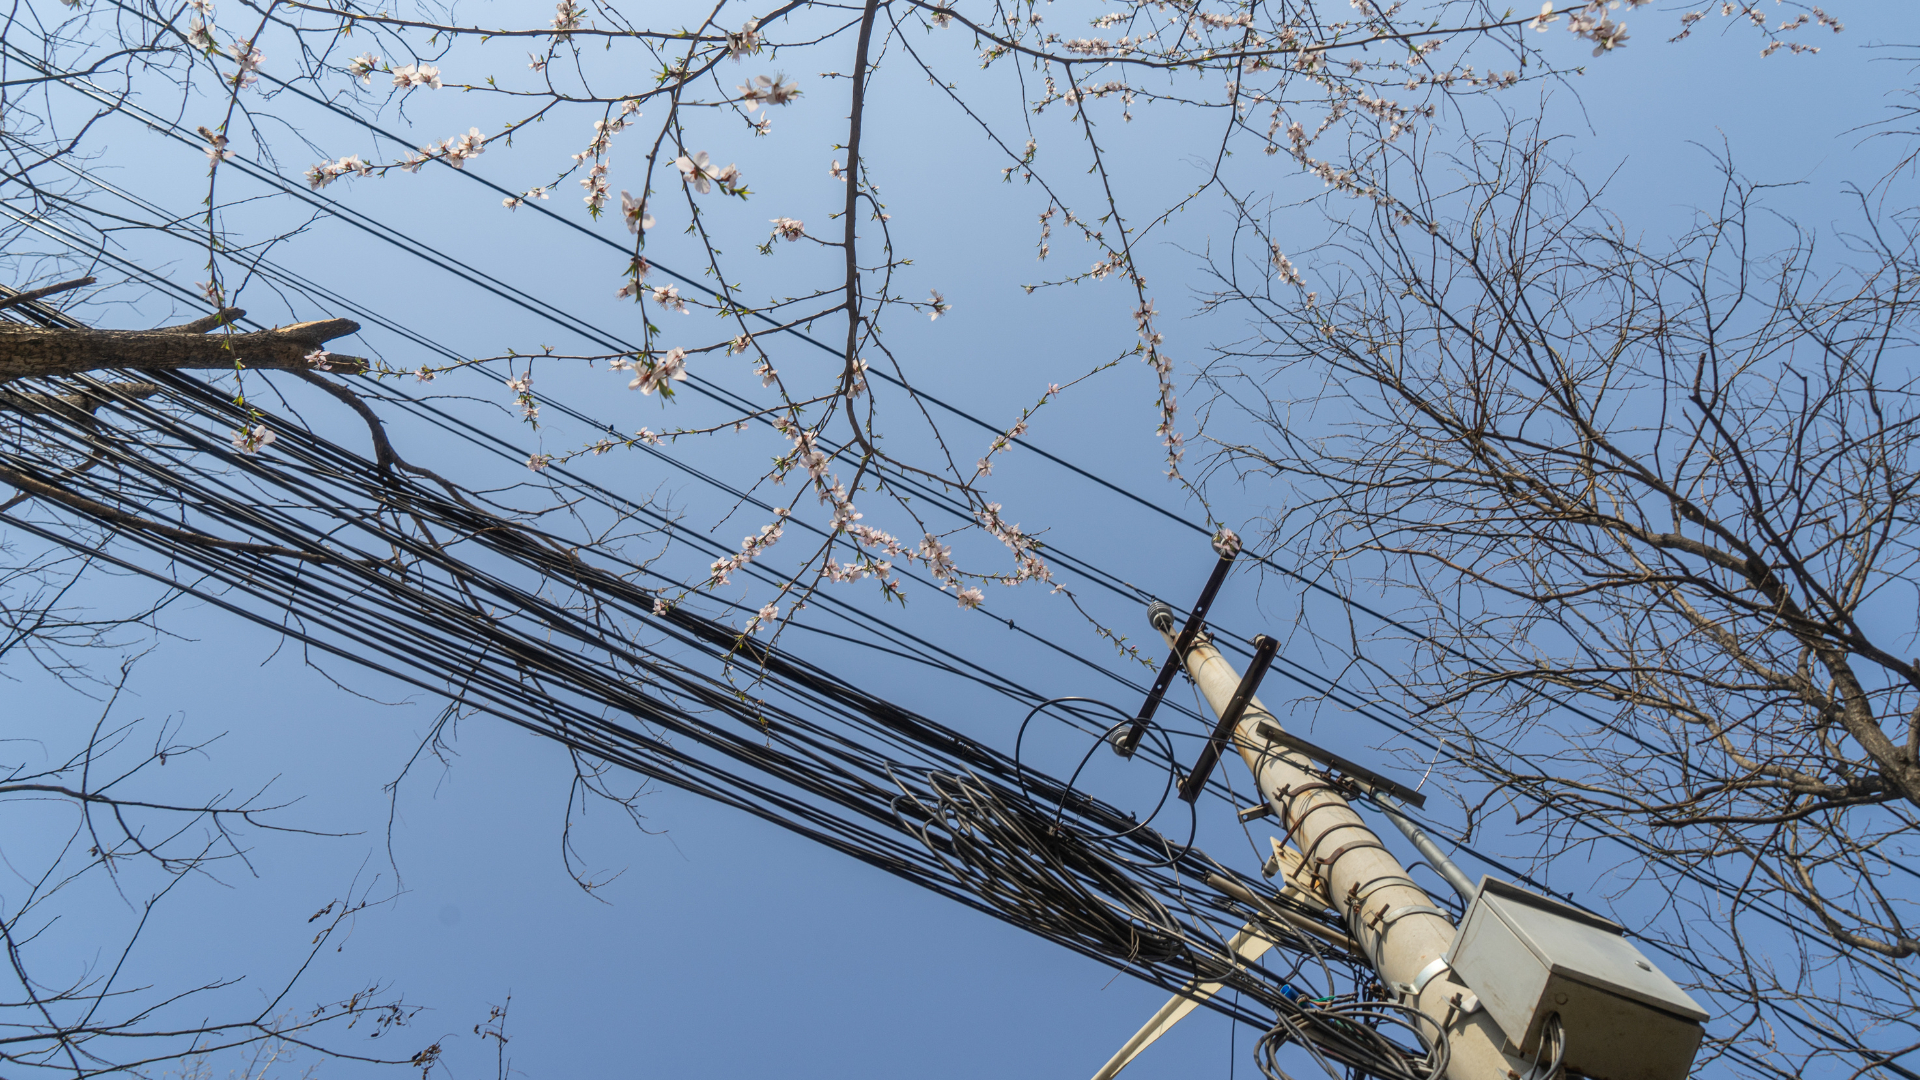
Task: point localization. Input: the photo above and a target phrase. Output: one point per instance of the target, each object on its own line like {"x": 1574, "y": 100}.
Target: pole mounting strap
{"x": 1427, "y": 974}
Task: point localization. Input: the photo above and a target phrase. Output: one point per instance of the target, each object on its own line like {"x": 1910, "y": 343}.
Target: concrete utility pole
{"x": 1392, "y": 920}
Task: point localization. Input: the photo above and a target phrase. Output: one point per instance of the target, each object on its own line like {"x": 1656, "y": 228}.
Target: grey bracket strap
{"x": 1427, "y": 974}
{"x": 1383, "y": 881}
{"x": 1409, "y": 993}
{"x": 1403, "y": 911}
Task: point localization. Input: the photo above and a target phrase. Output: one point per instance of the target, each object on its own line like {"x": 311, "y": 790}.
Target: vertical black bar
{"x": 1131, "y": 740}
{"x": 1263, "y": 649}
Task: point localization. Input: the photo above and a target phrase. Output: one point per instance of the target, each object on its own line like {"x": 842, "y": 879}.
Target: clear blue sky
{"x": 728, "y": 946}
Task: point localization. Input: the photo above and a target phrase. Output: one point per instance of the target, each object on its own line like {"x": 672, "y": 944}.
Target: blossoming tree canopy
{"x": 680, "y": 113}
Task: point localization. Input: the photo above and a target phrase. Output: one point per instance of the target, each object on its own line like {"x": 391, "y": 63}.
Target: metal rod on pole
{"x": 1429, "y": 850}
{"x": 1263, "y": 649}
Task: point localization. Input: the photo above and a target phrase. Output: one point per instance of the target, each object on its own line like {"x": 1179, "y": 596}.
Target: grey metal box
{"x": 1527, "y": 957}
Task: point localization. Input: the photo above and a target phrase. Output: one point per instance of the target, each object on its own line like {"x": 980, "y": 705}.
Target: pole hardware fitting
{"x": 1427, "y": 974}
{"x": 1161, "y": 617}
{"x": 1353, "y": 775}
{"x": 1384, "y": 919}
{"x": 1409, "y": 992}
{"x": 1359, "y": 892}
{"x": 1307, "y": 853}
{"x": 1264, "y": 649}
{"x": 1255, "y": 813}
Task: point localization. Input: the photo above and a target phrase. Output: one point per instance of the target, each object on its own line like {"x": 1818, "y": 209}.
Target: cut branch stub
{"x": 30, "y": 351}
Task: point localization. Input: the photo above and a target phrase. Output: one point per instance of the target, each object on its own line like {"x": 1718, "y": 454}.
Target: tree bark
{"x": 30, "y": 351}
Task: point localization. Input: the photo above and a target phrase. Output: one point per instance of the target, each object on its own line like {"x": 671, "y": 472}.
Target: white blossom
{"x": 596, "y": 184}
{"x": 746, "y": 42}
{"x": 634, "y": 212}
{"x": 461, "y": 147}
{"x": 668, "y": 296}
{"x": 249, "y": 59}
{"x": 217, "y": 151}
{"x": 1285, "y": 266}
{"x": 771, "y": 91}
{"x": 657, "y": 374}
{"x": 406, "y": 78}
{"x": 702, "y": 175}
{"x": 251, "y": 440}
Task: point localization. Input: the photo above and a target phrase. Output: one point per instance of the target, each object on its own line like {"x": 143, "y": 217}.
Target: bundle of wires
{"x": 1348, "y": 1027}
{"x": 455, "y": 593}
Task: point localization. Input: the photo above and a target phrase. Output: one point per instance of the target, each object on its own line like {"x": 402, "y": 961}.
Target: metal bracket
{"x": 1409, "y": 993}
{"x": 1196, "y": 618}
{"x": 1361, "y": 776}
{"x": 1255, "y": 813}
{"x": 1264, "y": 648}
{"x": 1427, "y": 974}
{"x": 1387, "y": 919}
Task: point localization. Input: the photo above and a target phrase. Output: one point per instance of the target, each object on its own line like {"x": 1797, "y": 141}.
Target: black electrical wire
{"x": 1333, "y": 691}
{"x": 824, "y": 780}
{"x": 1169, "y": 514}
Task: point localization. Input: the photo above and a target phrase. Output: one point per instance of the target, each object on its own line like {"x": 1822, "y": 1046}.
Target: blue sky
{"x": 726, "y": 944}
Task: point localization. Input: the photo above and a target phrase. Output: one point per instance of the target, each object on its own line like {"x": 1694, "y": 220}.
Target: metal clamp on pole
{"x": 1263, "y": 649}
{"x": 1158, "y": 613}
{"x": 1358, "y": 775}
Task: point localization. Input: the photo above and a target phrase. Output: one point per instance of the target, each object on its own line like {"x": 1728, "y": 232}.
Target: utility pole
{"x": 1394, "y": 923}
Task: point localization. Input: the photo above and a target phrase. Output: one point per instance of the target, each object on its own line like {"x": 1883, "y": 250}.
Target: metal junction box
{"x": 1527, "y": 957}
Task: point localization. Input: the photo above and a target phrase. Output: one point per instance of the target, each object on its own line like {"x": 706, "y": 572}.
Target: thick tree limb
{"x": 30, "y": 351}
